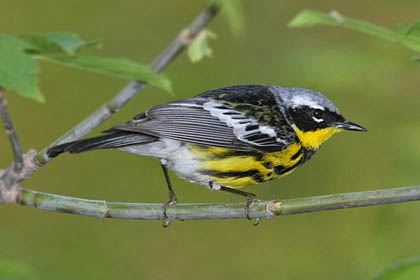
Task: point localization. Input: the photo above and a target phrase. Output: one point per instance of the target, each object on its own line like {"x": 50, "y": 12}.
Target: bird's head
{"x": 313, "y": 117}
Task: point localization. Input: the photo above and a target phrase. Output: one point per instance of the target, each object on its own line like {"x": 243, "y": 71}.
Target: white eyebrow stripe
{"x": 304, "y": 101}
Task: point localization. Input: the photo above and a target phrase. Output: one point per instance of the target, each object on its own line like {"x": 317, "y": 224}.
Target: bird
{"x": 226, "y": 138}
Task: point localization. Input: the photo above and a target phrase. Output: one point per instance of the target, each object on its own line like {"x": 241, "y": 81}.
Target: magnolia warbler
{"x": 227, "y": 138}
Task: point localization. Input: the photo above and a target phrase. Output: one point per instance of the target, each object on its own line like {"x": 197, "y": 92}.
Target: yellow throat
{"x": 314, "y": 139}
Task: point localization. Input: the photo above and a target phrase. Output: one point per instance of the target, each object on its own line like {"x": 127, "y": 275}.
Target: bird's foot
{"x": 172, "y": 201}
{"x": 252, "y": 198}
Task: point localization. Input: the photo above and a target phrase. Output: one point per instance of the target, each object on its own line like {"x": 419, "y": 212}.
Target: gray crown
{"x": 297, "y": 97}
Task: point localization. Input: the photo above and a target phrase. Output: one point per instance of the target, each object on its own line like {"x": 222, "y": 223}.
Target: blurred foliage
{"x": 370, "y": 80}
{"x": 120, "y": 67}
{"x": 234, "y": 14}
{"x": 200, "y": 48}
{"x": 407, "y": 34}
{"x": 408, "y": 270}
{"x": 18, "y": 70}
{"x": 56, "y": 43}
{"x": 17, "y": 54}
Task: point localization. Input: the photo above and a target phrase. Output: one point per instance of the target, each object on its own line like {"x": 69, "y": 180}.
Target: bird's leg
{"x": 172, "y": 197}
{"x": 252, "y": 198}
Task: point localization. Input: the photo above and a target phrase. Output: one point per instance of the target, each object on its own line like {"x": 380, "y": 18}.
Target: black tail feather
{"x": 113, "y": 140}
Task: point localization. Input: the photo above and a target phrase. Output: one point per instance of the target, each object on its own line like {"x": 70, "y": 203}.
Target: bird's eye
{"x": 317, "y": 115}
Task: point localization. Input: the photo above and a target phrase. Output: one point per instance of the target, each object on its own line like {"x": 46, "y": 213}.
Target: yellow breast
{"x": 237, "y": 169}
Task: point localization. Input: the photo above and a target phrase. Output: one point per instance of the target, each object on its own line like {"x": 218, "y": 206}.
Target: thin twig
{"x": 263, "y": 209}
{"x": 10, "y": 130}
{"x": 132, "y": 89}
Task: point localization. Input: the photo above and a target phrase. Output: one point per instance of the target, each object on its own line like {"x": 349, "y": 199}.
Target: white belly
{"x": 179, "y": 158}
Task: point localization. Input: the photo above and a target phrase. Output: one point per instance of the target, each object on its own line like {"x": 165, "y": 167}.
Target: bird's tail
{"x": 115, "y": 139}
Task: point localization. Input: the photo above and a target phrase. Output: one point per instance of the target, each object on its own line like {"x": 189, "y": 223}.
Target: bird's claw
{"x": 172, "y": 201}
{"x": 250, "y": 202}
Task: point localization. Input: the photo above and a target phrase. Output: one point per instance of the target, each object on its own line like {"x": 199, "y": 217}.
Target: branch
{"x": 263, "y": 209}
{"x": 10, "y": 130}
{"x": 8, "y": 176}
{"x": 105, "y": 112}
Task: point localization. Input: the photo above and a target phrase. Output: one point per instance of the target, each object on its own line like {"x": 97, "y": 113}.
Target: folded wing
{"x": 208, "y": 123}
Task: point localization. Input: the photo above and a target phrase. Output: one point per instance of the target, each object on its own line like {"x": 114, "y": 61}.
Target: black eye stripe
{"x": 311, "y": 119}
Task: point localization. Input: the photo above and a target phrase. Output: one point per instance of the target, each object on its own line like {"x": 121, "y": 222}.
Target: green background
{"x": 373, "y": 82}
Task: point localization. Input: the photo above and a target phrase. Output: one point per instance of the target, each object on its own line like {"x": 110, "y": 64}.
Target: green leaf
{"x": 200, "y": 48}
{"x": 409, "y": 35}
{"x": 309, "y": 18}
{"x": 121, "y": 67}
{"x": 57, "y": 42}
{"x": 233, "y": 12}
{"x": 402, "y": 29}
{"x": 408, "y": 29}
{"x": 405, "y": 271}
{"x": 10, "y": 43}
{"x": 18, "y": 70}
{"x": 71, "y": 43}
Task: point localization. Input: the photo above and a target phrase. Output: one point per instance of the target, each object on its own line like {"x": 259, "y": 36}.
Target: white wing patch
{"x": 267, "y": 130}
{"x": 243, "y": 127}
{"x": 299, "y": 100}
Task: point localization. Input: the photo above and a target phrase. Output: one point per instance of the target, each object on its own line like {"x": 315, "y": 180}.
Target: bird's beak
{"x": 348, "y": 125}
